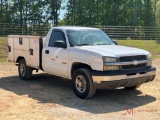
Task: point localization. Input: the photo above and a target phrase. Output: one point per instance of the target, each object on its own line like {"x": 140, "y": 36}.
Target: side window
{"x": 56, "y": 35}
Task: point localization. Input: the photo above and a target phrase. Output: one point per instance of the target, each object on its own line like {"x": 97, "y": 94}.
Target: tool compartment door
{"x": 10, "y": 49}
{"x": 34, "y": 52}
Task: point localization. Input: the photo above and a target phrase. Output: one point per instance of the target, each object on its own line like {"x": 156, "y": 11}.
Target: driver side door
{"x": 55, "y": 59}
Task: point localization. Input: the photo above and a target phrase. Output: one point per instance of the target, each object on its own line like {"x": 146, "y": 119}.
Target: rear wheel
{"x": 25, "y": 72}
{"x": 83, "y": 84}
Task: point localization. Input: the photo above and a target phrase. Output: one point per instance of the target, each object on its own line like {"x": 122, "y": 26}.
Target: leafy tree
{"x": 81, "y": 12}
{"x": 158, "y": 13}
{"x": 29, "y": 11}
{"x": 107, "y": 12}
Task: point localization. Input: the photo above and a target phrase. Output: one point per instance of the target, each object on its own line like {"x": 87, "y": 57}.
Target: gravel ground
{"x": 47, "y": 97}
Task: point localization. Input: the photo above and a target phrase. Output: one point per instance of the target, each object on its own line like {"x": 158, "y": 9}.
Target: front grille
{"x": 132, "y": 58}
{"x": 139, "y": 66}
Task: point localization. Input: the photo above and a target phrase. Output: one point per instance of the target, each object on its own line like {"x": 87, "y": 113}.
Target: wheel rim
{"x": 81, "y": 84}
{"x": 22, "y": 69}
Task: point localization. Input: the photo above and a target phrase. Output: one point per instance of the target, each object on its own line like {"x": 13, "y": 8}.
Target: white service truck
{"x": 87, "y": 56}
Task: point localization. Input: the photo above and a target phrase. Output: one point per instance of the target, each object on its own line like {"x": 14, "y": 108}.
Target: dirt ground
{"x": 51, "y": 98}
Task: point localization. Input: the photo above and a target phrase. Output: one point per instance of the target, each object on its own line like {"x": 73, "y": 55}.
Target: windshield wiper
{"x": 82, "y": 44}
{"x": 102, "y": 44}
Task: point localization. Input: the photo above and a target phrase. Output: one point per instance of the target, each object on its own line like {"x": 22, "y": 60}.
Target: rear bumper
{"x": 113, "y": 79}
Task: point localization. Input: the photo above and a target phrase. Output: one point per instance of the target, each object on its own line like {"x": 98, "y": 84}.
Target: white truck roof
{"x": 75, "y": 28}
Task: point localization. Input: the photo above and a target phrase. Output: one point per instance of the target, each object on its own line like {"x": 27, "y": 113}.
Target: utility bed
{"x": 28, "y": 47}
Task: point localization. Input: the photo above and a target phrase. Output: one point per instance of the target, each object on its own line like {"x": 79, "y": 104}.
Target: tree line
{"x": 27, "y": 12}
{"x": 81, "y": 12}
{"x": 113, "y": 12}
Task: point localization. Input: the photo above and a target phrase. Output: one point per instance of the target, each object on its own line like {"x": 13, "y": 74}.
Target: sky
{"x": 62, "y": 12}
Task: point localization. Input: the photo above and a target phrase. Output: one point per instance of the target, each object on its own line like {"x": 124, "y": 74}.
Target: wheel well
{"x": 76, "y": 66}
{"x": 19, "y": 58}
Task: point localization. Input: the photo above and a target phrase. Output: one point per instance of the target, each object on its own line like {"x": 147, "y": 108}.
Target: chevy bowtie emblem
{"x": 135, "y": 62}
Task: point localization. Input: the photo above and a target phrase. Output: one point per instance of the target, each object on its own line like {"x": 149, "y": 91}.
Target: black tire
{"x": 83, "y": 84}
{"x": 132, "y": 87}
{"x": 25, "y": 72}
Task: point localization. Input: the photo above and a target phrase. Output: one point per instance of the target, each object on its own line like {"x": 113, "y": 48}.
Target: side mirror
{"x": 60, "y": 44}
{"x": 115, "y": 42}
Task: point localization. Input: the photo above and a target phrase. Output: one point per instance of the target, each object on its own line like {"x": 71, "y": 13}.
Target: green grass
{"x": 3, "y": 49}
{"x": 151, "y": 46}
{"x": 3, "y": 59}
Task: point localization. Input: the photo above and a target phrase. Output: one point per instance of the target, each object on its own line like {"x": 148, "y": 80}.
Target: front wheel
{"x": 25, "y": 72}
{"x": 83, "y": 84}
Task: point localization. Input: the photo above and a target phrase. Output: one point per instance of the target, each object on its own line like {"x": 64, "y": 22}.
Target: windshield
{"x": 88, "y": 37}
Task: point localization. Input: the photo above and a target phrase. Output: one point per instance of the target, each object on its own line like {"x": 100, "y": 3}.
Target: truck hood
{"x": 114, "y": 50}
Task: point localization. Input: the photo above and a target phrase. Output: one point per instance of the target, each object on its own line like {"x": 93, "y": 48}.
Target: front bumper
{"x": 113, "y": 79}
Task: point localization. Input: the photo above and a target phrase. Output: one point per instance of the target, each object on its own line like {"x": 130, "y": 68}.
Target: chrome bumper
{"x": 119, "y": 77}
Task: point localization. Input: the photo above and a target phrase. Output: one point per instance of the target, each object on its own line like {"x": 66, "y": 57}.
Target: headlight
{"x": 110, "y": 67}
{"x": 149, "y": 57}
{"x": 109, "y": 59}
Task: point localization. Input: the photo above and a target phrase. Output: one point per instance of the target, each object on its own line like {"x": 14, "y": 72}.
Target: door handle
{"x": 64, "y": 63}
{"x": 53, "y": 59}
{"x": 47, "y": 51}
